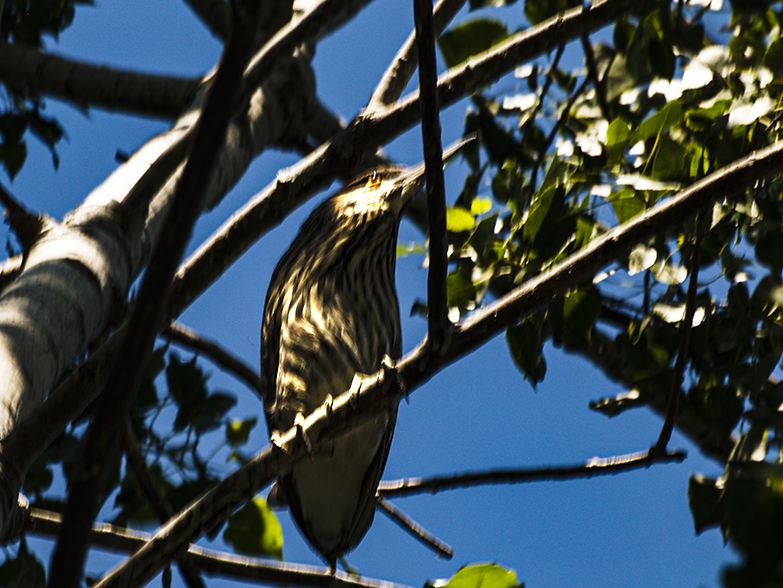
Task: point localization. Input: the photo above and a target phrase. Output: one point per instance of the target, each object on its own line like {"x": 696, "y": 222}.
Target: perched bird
{"x": 332, "y": 312}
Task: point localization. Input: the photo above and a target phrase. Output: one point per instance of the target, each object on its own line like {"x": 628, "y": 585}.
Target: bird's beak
{"x": 412, "y": 180}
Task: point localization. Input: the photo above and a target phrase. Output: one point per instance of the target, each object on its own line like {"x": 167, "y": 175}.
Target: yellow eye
{"x": 375, "y": 178}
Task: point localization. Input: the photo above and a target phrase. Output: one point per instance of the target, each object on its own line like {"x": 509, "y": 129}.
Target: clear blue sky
{"x": 632, "y": 529}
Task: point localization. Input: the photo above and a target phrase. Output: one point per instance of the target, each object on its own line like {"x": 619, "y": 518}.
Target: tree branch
{"x": 212, "y": 350}
{"x": 437, "y": 315}
{"x": 440, "y": 548}
{"x": 597, "y": 466}
{"x": 28, "y": 70}
{"x": 399, "y": 72}
{"x": 100, "y": 440}
{"x": 103, "y": 535}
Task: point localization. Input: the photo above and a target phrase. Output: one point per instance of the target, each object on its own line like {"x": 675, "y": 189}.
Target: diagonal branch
{"x": 353, "y": 408}
{"x": 156, "y": 500}
{"x": 437, "y": 315}
{"x": 440, "y": 548}
{"x": 399, "y": 72}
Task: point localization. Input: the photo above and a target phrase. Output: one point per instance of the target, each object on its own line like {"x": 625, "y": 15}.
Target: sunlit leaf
{"x": 255, "y": 530}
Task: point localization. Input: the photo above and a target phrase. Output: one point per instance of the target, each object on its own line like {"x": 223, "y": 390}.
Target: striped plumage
{"x": 331, "y": 312}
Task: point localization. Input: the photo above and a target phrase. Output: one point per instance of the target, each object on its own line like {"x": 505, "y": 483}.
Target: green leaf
{"x": 461, "y": 291}
{"x": 255, "y": 530}
{"x": 773, "y": 58}
{"x": 704, "y": 496}
{"x": 13, "y": 156}
{"x": 459, "y": 219}
{"x": 580, "y": 311}
{"x": 468, "y": 39}
{"x": 537, "y": 11}
{"x": 406, "y": 249}
{"x": 526, "y": 346}
{"x": 480, "y": 206}
{"x": 238, "y": 432}
{"x": 22, "y": 571}
{"x": 660, "y": 121}
{"x": 626, "y": 204}
{"x": 480, "y": 576}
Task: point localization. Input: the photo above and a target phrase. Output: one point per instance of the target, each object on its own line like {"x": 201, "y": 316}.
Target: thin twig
{"x": 156, "y": 500}
{"x": 437, "y": 315}
{"x": 216, "y": 14}
{"x": 103, "y": 535}
{"x": 399, "y": 72}
{"x": 597, "y": 466}
{"x": 101, "y": 437}
{"x": 226, "y": 360}
{"x": 555, "y": 129}
{"x": 686, "y": 324}
{"x": 595, "y": 77}
{"x": 440, "y": 548}
{"x": 26, "y": 224}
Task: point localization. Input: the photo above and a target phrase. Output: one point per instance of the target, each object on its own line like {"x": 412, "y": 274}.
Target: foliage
{"x": 27, "y": 23}
{"x": 569, "y": 156}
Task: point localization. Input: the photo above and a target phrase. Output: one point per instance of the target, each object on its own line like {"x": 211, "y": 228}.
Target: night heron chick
{"x": 331, "y": 312}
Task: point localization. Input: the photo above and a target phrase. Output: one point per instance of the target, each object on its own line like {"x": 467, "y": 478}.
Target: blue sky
{"x": 631, "y": 529}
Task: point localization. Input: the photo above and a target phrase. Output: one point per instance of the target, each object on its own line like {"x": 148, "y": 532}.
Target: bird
{"x": 331, "y": 312}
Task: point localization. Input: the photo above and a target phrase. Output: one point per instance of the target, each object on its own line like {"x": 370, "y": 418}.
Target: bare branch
{"x": 212, "y": 350}
{"x": 440, "y": 548}
{"x": 399, "y": 72}
{"x": 103, "y": 535}
{"x": 597, "y": 466}
{"x": 28, "y": 70}
{"x": 437, "y": 315}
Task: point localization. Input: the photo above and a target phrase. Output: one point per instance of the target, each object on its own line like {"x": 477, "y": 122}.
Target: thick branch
{"x": 28, "y": 70}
